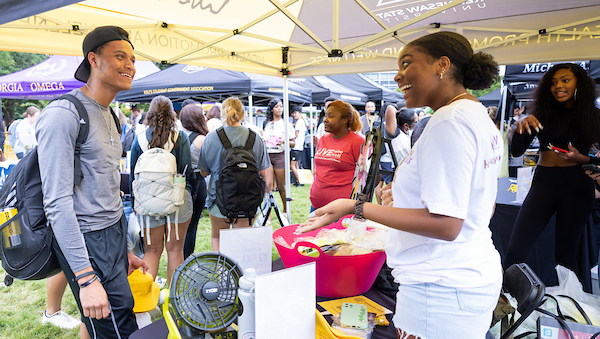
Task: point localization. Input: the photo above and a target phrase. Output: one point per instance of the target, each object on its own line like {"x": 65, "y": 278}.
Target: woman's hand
{"x": 327, "y": 215}
{"x": 593, "y": 175}
{"x": 386, "y": 197}
{"x": 135, "y": 263}
{"x": 573, "y": 155}
{"x": 528, "y": 124}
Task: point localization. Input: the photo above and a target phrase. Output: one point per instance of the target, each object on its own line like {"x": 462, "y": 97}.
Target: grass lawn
{"x": 22, "y": 303}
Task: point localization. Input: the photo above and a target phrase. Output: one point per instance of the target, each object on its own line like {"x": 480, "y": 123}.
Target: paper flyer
{"x": 524, "y": 177}
{"x": 335, "y": 306}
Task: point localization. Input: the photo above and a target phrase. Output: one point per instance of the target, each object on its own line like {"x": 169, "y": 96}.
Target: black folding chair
{"x": 525, "y": 286}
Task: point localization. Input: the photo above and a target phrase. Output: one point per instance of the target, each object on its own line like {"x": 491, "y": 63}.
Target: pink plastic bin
{"x": 337, "y": 276}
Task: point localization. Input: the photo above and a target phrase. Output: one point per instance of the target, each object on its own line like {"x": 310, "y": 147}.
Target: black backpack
{"x": 240, "y": 187}
{"x": 128, "y": 139}
{"x": 29, "y": 255}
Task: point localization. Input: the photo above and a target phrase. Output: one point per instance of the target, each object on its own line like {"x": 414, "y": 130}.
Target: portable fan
{"x": 203, "y": 296}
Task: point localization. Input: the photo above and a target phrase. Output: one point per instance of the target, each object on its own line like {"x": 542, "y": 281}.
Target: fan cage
{"x": 187, "y": 300}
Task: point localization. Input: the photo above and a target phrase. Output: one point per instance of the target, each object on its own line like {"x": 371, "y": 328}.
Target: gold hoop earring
{"x": 575, "y": 95}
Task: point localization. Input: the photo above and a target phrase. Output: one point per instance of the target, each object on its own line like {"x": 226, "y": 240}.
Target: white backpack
{"x": 155, "y": 193}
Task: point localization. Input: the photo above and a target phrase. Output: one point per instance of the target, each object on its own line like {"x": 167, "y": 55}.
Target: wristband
{"x": 82, "y": 275}
{"x": 358, "y": 210}
{"x": 358, "y": 207}
{"x": 89, "y": 282}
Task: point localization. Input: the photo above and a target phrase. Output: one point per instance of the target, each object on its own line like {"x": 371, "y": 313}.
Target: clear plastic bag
{"x": 354, "y": 240}
{"x": 569, "y": 285}
{"x": 134, "y": 236}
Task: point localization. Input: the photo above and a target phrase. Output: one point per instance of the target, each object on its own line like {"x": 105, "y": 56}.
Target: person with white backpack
{"x": 160, "y": 169}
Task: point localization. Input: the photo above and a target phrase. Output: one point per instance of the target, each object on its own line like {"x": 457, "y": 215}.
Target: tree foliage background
{"x": 11, "y": 62}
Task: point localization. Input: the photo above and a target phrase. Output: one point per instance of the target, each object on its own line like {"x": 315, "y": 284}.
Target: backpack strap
{"x": 224, "y": 140}
{"x": 84, "y": 129}
{"x": 177, "y": 142}
{"x": 143, "y": 141}
{"x": 116, "y": 119}
{"x": 250, "y": 141}
{"x": 193, "y": 136}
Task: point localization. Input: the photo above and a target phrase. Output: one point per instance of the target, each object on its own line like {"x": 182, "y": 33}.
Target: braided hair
{"x": 161, "y": 117}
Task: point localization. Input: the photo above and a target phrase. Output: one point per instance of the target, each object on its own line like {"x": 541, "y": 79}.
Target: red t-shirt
{"x": 335, "y": 163}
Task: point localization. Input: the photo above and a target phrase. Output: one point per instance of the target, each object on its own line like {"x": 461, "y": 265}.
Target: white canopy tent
{"x": 323, "y": 37}
{"x": 307, "y": 37}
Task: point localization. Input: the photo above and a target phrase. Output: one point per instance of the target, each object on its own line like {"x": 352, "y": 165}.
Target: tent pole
{"x": 286, "y": 120}
{"x": 504, "y": 107}
{"x": 250, "y": 120}
{"x": 312, "y": 138}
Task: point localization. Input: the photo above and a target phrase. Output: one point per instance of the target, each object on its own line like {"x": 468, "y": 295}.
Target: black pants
{"x": 569, "y": 192}
{"x": 107, "y": 250}
{"x": 190, "y": 237}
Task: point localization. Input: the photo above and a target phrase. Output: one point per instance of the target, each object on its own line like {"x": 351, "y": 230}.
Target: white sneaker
{"x": 60, "y": 319}
{"x": 161, "y": 297}
{"x": 161, "y": 282}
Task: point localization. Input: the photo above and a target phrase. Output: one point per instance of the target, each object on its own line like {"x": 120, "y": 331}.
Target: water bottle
{"x": 11, "y": 234}
{"x": 246, "y": 321}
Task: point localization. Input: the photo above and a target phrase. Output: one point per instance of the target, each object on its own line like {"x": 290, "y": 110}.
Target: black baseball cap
{"x": 330, "y": 98}
{"x": 96, "y": 38}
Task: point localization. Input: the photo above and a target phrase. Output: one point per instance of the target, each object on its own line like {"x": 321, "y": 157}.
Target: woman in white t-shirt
{"x": 273, "y": 135}
{"x": 26, "y": 132}
{"x": 443, "y": 195}
{"x": 300, "y": 133}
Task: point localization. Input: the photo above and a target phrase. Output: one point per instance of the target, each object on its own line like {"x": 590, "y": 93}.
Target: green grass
{"x": 22, "y": 303}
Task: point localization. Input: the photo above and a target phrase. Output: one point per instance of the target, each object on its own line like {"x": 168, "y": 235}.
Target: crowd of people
{"x": 437, "y": 190}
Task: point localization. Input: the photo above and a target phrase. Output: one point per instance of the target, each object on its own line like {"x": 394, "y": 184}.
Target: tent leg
{"x": 312, "y": 138}
{"x": 286, "y": 119}
{"x": 250, "y": 110}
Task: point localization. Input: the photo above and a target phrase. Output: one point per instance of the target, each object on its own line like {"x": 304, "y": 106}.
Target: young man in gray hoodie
{"x": 90, "y": 229}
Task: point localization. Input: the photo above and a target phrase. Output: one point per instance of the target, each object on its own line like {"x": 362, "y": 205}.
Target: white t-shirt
{"x": 213, "y": 124}
{"x": 274, "y": 133}
{"x": 25, "y": 136}
{"x": 401, "y": 146}
{"x": 301, "y": 128}
{"x": 452, "y": 170}
{"x": 320, "y": 131}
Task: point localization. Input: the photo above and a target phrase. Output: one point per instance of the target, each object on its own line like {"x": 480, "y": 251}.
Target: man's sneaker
{"x": 60, "y": 319}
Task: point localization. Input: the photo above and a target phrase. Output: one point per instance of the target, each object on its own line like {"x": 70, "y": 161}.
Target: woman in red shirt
{"x": 337, "y": 154}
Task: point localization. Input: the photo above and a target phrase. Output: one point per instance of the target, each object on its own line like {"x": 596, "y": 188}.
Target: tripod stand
{"x": 265, "y": 211}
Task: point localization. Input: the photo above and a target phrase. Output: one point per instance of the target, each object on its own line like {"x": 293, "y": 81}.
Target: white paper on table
{"x": 286, "y": 302}
{"x": 524, "y": 177}
{"x": 249, "y": 247}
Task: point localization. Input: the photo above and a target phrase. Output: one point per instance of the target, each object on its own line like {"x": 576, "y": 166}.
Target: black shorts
{"x": 295, "y": 155}
{"x": 107, "y": 250}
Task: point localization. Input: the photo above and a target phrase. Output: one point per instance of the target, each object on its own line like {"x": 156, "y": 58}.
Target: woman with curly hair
{"x": 273, "y": 135}
{"x": 443, "y": 194}
{"x": 337, "y": 154}
{"x": 162, "y": 132}
{"x": 567, "y": 123}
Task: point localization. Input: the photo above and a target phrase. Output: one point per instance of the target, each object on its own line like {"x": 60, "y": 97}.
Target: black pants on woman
{"x": 198, "y": 202}
{"x": 569, "y": 192}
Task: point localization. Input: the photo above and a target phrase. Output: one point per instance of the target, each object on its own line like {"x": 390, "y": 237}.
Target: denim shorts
{"x": 185, "y": 213}
{"x": 430, "y": 311}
